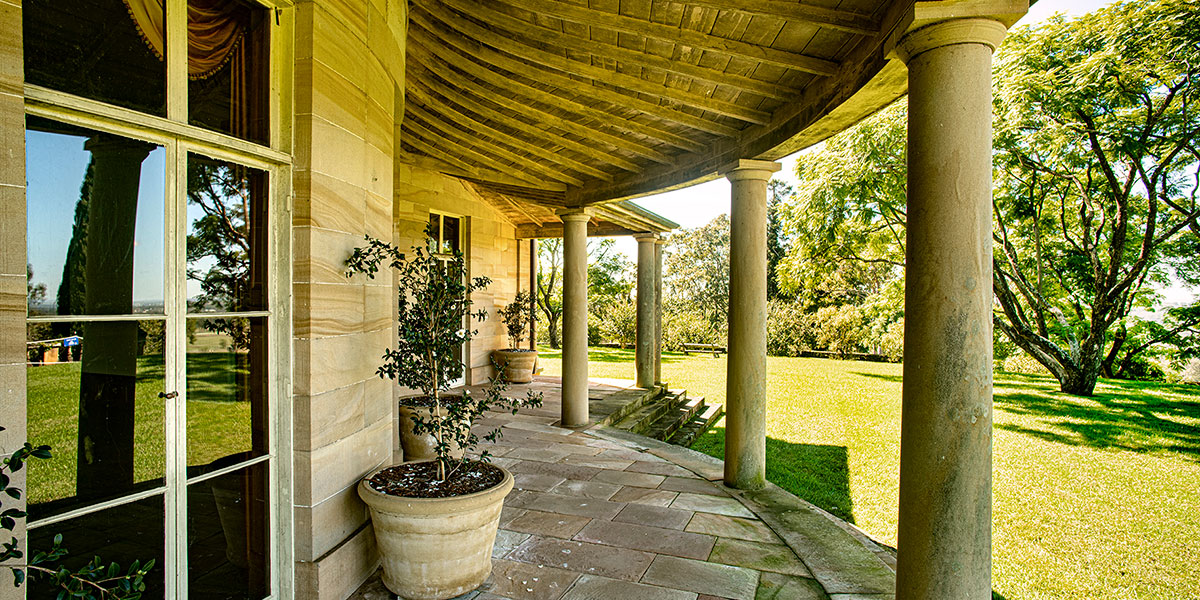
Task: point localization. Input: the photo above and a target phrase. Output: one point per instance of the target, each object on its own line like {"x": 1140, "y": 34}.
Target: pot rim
{"x": 365, "y": 487}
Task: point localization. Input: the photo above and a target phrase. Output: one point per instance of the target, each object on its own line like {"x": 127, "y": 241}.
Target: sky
{"x": 699, "y": 204}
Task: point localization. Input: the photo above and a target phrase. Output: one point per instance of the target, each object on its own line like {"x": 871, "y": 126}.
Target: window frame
{"x": 179, "y": 138}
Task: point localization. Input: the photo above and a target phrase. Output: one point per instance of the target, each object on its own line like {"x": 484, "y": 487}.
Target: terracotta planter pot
{"x": 435, "y": 548}
{"x": 518, "y": 364}
{"x": 419, "y": 447}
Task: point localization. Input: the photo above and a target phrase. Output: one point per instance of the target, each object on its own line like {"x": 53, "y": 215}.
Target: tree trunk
{"x": 552, "y": 325}
{"x": 1106, "y": 368}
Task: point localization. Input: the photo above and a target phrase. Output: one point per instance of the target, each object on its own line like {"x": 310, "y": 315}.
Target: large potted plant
{"x": 435, "y": 521}
{"x": 518, "y": 363}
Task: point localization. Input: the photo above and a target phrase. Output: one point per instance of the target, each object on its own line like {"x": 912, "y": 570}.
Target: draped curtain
{"x": 215, "y": 30}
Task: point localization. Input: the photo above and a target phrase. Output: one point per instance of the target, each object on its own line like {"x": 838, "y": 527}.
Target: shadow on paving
{"x": 817, "y": 473}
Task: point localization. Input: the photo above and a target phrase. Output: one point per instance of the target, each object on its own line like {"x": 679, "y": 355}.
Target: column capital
{"x": 646, "y": 238}
{"x": 933, "y": 24}
{"x": 749, "y": 169}
{"x": 575, "y": 214}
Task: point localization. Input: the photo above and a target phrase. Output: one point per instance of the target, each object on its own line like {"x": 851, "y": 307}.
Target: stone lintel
{"x": 924, "y": 14}
{"x": 749, "y": 169}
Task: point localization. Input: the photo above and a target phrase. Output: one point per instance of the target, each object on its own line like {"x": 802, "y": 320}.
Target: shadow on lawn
{"x": 888, "y": 378}
{"x": 1132, "y": 416}
{"x": 609, "y": 355}
{"x": 817, "y": 473}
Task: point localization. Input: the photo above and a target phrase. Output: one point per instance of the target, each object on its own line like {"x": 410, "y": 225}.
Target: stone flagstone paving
{"x": 602, "y": 515}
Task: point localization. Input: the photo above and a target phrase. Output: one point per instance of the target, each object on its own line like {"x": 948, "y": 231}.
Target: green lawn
{"x": 1093, "y": 497}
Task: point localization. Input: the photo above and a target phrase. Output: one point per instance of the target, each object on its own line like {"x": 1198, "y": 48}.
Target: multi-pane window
{"x": 151, "y": 295}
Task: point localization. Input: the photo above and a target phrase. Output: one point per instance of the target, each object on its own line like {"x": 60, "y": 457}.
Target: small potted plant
{"x": 435, "y": 521}
{"x": 518, "y": 363}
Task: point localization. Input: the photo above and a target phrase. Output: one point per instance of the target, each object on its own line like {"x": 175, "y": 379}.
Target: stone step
{"x": 674, "y": 421}
{"x": 699, "y": 424}
{"x": 643, "y": 419}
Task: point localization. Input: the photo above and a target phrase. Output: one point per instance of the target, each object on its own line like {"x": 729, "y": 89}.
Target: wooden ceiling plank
{"x": 502, "y": 82}
{"x": 695, "y": 39}
{"x": 530, "y": 93}
{"x": 434, "y": 159}
{"x": 790, "y": 10}
{"x": 500, "y": 15}
{"x": 483, "y": 110}
{"x": 427, "y": 131}
{"x": 453, "y": 130}
{"x": 629, "y": 82}
{"x": 447, "y": 111}
{"x": 565, "y": 82}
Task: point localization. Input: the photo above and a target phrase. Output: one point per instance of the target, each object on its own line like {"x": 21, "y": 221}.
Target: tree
{"x": 1096, "y": 125}
{"x": 697, "y": 271}
{"x": 846, "y": 220}
{"x": 778, "y": 192}
{"x": 608, "y": 280}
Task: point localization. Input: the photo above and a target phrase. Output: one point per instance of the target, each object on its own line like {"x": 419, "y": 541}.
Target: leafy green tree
{"x": 549, "y": 287}
{"x": 846, "y": 220}
{"x": 778, "y": 193}
{"x": 1096, "y": 160}
{"x": 609, "y": 281}
{"x": 696, "y": 274}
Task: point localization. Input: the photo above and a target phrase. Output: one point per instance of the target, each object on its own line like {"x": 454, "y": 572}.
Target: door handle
{"x": 168, "y": 395}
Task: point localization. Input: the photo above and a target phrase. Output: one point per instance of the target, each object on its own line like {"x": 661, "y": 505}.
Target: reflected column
{"x": 110, "y": 349}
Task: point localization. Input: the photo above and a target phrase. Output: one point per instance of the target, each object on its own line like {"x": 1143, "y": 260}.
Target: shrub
{"x": 840, "y": 329}
{"x": 789, "y": 329}
{"x": 620, "y": 324}
{"x": 687, "y": 327}
{"x": 891, "y": 344}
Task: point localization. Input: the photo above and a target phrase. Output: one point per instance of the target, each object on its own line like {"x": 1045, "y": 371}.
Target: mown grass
{"x": 1092, "y": 497}
{"x": 217, "y": 425}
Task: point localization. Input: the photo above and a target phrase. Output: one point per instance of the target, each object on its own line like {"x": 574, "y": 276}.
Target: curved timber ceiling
{"x": 570, "y": 103}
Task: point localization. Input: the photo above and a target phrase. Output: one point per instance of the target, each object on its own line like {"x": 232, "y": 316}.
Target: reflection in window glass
{"x": 227, "y": 236}
{"x": 227, "y": 67}
{"x": 121, "y": 534}
{"x": 451, "y": 235}
{"x": 92, "y": 394}
{"x": 106, "y": 50}
{"x": 95, "y": 221}
{"x": 226, "y": 392}
{"x": 227, "y": 536}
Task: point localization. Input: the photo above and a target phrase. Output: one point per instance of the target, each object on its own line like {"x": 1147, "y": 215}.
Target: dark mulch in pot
{"x": 419, "y": 480}
{"x": 519, "y": 350}
{"x": 423, "y": 401}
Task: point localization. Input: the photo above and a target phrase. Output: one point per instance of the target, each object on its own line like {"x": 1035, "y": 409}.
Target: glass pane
{"x": 453, "y": 235}
{"x": 226, "y": 392}
{"x": 93, "y": 398}
{"x": 228, "y": 59}
{"x": 106, "y": 50}
{"x": 227, "y": 236}
{"x": 435, "y": 229}
{"x": 227, "y": 536}
{"x": 95, "y": 221}
{"x": 121, "y": 534}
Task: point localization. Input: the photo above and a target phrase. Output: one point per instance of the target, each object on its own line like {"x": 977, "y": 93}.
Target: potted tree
{"x": 435, "y": 521}
{"x": 518, "y": 363}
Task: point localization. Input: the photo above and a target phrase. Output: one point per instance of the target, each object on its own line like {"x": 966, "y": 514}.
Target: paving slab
{"x": 732, "y": 527}
{"x": 629, "y": 478}
{"x": 594, "y": 587}
{"x": 598, "y": 462}
{"x": 583, "y": 557}
{"x": 774, "y": 586}
{"x": 712, "y": 504}
{"x": 565, "y": 471}
{"x": 659, "y": 468}
{"x": 506, "y": 541}
{"x": 548, "y": 524}
{"x": 655, "y": 516}
{"x": 649, "y": 539}
{"x": 539, "y": 454}
{"x": 586, "y": 489}
{"x": 523, "y": 581}
{"x": 645, "y": 496}
{"x": 776, "y": 558}
{"x": 535, "y": 481}
{"x": 568, "y": 505}
{"x": 692, "y": 485}
{"x": 724, "y": 581}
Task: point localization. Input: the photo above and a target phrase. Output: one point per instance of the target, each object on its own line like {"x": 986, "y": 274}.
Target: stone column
{"x": 658, "y": 304}
{"x": 746, "y": 381}
{"x": 647, "y": 302}
{"x": 946, "y": 429}
{"x": 575, "y": 313}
